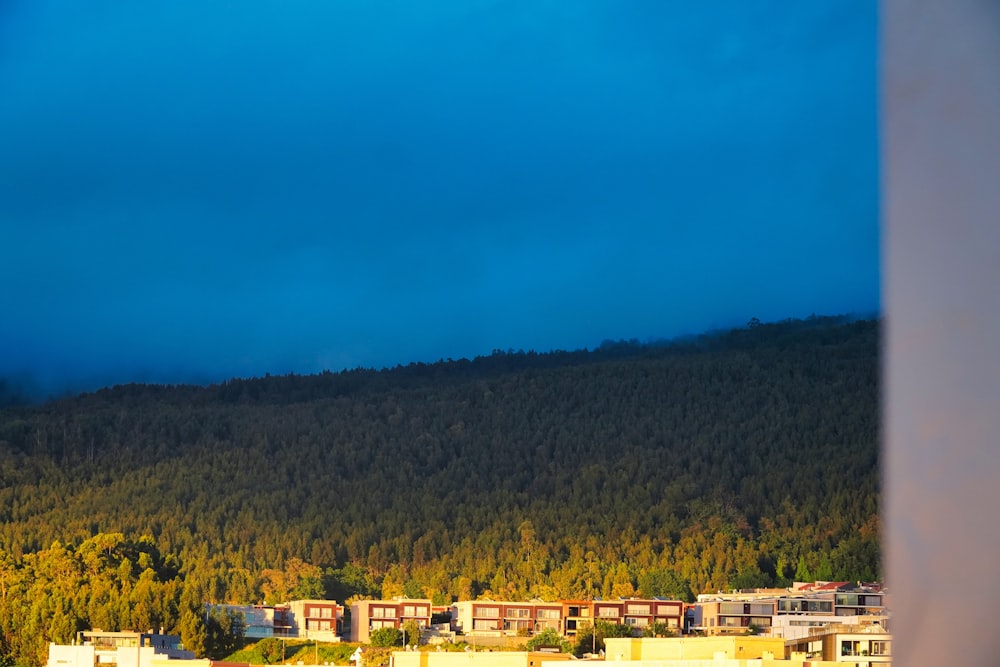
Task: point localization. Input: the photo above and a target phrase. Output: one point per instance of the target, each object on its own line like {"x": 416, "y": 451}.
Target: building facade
{"x": 368, "y": 615}
{"x": 117, "y": 649}
{"x": 493, "y": 618}
{"x": 870, "y": 646}
{"x": 322, "y": 620}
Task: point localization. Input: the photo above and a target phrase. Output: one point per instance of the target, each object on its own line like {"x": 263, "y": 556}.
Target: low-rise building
{"x": 733, "y": 617}
{"x": 122, "y": 649}
{"x": 368, "y": 615}
{"x": 761, "y": 611}
{"x": 868, "y": 646}
{"x": 576, "y": 615}
{"x": 262, "y": 621}
{"x": 476, "y": 659}
{"x": 639, "y": 613}
{"x": 804, "y": 625}
{"x": 494, "y": 618}
{"x": 316, "y": 619}
{"x": 693, "y": 648}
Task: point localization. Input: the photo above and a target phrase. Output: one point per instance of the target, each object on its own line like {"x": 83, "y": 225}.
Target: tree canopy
{"x": 734, "y": 459}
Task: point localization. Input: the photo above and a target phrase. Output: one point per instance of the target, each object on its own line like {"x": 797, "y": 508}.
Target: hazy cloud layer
{"x": 195, "y": 190}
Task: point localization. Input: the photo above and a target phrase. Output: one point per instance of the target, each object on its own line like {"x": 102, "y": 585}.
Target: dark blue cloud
{"x": 195, "y": 190}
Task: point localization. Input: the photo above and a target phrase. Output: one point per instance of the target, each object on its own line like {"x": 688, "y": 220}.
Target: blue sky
{"x": 197, "y": 190}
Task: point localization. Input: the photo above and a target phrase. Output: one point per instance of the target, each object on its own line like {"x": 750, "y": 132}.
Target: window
{"x": 379, "y": 612}
{"x": 637, "y": 609}
{"x": 639, "y": 622}
{"x": 607, "y": 612}
{"x": 518, "y": 613}
{"x": 880, "y": 648}
{"x": 730, "y": 607}
{"x": 552, "y": 614}
{"x": 666, "y": 609}
{"x": 484, "y": 624}
{"x": 487, "y": 612}
{"x": 326, "y": 612}
{"x": 850, "y": 648}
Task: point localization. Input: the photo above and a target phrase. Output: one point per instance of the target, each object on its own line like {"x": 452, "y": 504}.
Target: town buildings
{"x": 790, "y": 612}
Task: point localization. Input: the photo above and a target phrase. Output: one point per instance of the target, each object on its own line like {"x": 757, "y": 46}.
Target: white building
{"x": 124, "y": 649}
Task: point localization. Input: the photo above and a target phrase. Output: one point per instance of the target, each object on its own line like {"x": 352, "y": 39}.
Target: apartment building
{"x": 368, "y": 615}
{"x": 733, "y": 617}
{"x": 120, "y": 649}
{"x": 262, "y": 621}
{"x": 493, "y": 618}
{"x": 797, "y": 626}
{"x": 576, "y": 614}
{"x": 316, "y": 619}
{"x": 869, "y": 646}
{"x": 810, "y": 604}
{"x": 640, "y": 614}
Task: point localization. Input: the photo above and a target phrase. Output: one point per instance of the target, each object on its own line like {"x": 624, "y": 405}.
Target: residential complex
{"x": 788, "y": 612}
{"x": 814, "y": 623}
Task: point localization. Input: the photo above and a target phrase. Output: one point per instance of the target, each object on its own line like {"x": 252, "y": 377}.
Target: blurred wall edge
{"x": 940, "y": 161}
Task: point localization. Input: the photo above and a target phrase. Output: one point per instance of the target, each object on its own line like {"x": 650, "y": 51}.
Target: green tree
{"x": 587, "y": 642}
{"x": 224, "y": 632}
{"x": 802, "y": 572}
{"x": 549, "y": 637}
{"x": 411, "y": 633}
{"x": 270, "y": 650}
{"x": 192, "y": 618}
{"x": 383, "y": 637}
{"x": 662, "y": 582}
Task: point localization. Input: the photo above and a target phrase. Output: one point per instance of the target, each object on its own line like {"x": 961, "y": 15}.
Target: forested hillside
{"x": 736, "y": 459}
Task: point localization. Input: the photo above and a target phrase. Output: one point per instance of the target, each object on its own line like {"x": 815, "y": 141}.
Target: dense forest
{"x": 730, "y": 460}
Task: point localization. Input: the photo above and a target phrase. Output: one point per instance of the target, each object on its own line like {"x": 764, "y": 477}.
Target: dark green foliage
{"x": 224, "y": 633}
{"x": 666, "y": 583}
{"x": 585, "y": 639}
{"x": 741, "y": 458}
{"x": 269, "y": 651}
